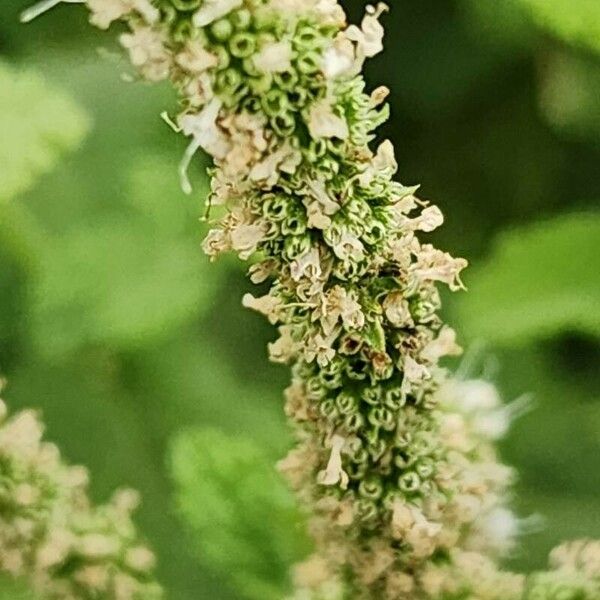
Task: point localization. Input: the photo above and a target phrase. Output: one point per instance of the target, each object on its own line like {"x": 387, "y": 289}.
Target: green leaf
{"x": 539, "y": 280}
{"x": 38, "y": 124}
{"x": 570, "y": 95}
{"x": 575, "y": 21}
{"x": 499, "y": 24}
{"x": 136, "y": 271}
{"x": 241, "y": 515}
{"x": 13, "y": 589}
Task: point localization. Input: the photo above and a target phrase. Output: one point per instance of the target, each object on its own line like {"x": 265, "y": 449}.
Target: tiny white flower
{"x": 306, "y": 266}
{"x": 319, "y": 205}
{"x": 414, "y": 372}
{"x": 147, "y": 51}
{"x": 195, "y": 58}
{"x": 245, "y": 238}
{"x": 284, "y": 348}
{"x": 334, "y": 473}
{"x": 435, "y": 265}
{"x": 274, "y": 57}
{"x": 211, "y": 10}
{"x": 444, "y": 345}
{"x": 206, "y": 134}
{"x": 285, "y": 158}
{"x": 268, "y": 305}
{"x": 349, "y": 247}
{"x": 430, "y": 219}
{"x": 395, "y": 307}
{"x": 339, "y": 59}
{"x": 500, "y": 529}
{"x": 324, "y": 123}
{"x": 369, "y": 38}
{"x": 104, "y": 12}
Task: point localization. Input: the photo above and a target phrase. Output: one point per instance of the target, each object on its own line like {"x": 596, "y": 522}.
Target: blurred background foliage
{"x": 138, "y": 352}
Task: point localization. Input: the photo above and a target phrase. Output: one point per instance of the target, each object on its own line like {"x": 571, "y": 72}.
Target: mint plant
{"x": 395, "y": 459}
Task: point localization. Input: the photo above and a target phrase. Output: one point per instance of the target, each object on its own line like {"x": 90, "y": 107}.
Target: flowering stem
{"x": 395, "y": 460}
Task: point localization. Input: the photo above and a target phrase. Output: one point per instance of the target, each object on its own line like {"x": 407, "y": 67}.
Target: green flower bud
{"x": 357, "y": 370}
{"x": 250, "y": 67}
{"x": 383, "y": 417}
{"x": 394, "y": 398}
{"x": 241, "y": 19}
{"x": 377, "y": 450}
{"x": 298, "y": 97}
{"x": 221, "y": 30}
{"x": 309, "y": 62}
{"x": 275, "y": 207}
{"x": 371, "y": 395}
{"x": 371, "y": 488}
{"x": 375, "y": 233}
{"x": 317, "y": 148}
{"x": 242, "y": 44}
{"x": 286, "y": 80}
{"x": 274, "y": 102}
{"x": 356, "y": 471}
{"x": 409, "y": 482}
{"x": 330, "y": 380}
{"x": 168, "y": 14}
{"x": 346, "y": 403}
{"x": 235, "y": 96}
{"x": 228, "y": 81}
{"x": 328, "y": 167}
{"x": 403, "y": 460}
{"x": 284, "y": 124}
{"x": 314, "y": 388}
{"x": 422, "y": 444}
{"x": 223, "y": 56}
{"x": 367, "y": 510}
{"x": 260, "y": 84}
{"x": 186, "y": 5}
{"x": 357, "y": 210}
{"x": 336, "y": 145}
{"x": 251, "y": 104}
{"x": 267, "y": 20}
{"x": 336, "y": 366}
{"x": 360, "y": 456}
{"x": 295, "y": 224}
{"x": 425, "y": 468}
{"x": 404, "y": 439}
{"x": 350, "y": 344}
{"x": 329, "y": 409}
{"x": 273, "y": 232}
{"x": 354, "y": 422}
{"x": 307, "y": 37}
{"x": 183, "y": 31}
{"x": 295, "y": 246}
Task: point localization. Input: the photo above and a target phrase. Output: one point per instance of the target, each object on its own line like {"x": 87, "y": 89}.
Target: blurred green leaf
{"x": 240, "y": 513}
{"x": 539, "y": 280}
{"x": 38, "y": 123}
{"x": 133, "y": 273}
{"x": 499, "y": 23}
{"x": 570, "y": 95}
{"x": 12, "y": 589}
{"x": 576, "y": 21}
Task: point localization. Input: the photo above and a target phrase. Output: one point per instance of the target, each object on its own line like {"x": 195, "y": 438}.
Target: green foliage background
{"x": 115, "y": 325}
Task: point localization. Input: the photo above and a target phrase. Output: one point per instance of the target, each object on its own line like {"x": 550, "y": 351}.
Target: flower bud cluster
{"x": 395, "y": 461}
{"x": 50, "y": 533}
